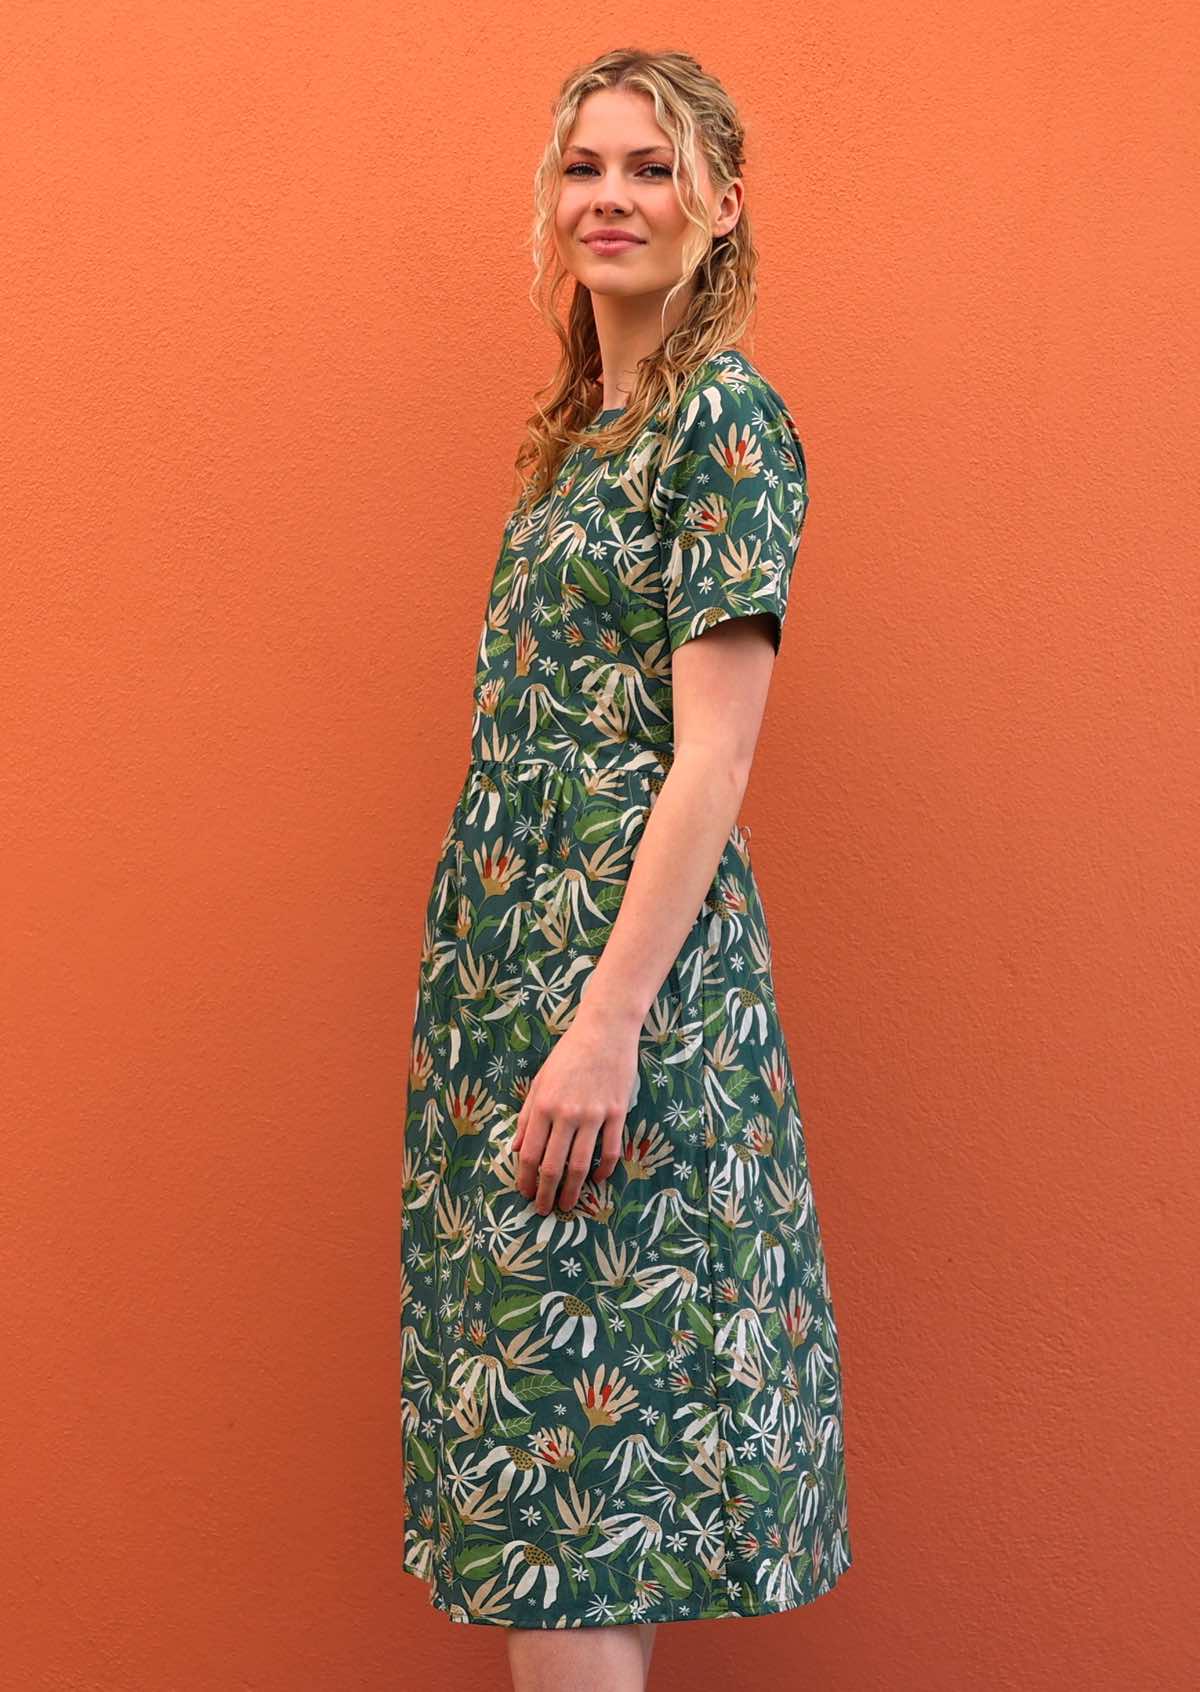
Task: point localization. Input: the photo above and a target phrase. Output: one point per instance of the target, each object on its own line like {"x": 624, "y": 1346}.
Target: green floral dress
{"x": 631, "y": 1411}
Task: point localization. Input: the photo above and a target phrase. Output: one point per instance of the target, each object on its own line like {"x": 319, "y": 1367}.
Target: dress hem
{"x": 650, "y": 1613}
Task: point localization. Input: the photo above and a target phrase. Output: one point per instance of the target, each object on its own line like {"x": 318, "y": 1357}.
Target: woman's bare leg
{"x": 649, "y": 1632}
{"x": 580, "y": 1659}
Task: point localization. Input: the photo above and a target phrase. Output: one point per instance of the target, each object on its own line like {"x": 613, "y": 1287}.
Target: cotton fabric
{"x": 631, "y": 1411}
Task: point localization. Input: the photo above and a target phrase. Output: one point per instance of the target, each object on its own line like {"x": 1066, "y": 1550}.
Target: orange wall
{"x": 266, "y": 354}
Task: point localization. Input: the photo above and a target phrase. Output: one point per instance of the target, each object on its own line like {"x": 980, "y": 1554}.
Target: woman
{"x": 622, "y": 1388}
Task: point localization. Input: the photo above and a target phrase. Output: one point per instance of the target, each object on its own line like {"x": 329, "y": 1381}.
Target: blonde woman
{"x": 622, "y": 1398}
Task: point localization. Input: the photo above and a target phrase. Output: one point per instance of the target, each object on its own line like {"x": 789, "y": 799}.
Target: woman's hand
{"x": 583, "y": 1089}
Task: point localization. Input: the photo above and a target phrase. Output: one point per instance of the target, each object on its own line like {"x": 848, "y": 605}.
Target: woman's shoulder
{"x": 729, "y": 408}
{"x": 733, "y": 376}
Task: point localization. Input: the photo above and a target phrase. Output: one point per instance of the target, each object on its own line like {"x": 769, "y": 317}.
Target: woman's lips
{"x": 612, "y": 246}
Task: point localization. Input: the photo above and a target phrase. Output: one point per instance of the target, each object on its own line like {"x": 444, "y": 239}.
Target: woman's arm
{"x": 719, "y": 683}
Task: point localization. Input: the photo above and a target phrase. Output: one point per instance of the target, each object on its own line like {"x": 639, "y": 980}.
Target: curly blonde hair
{"x": 696, "y": 112}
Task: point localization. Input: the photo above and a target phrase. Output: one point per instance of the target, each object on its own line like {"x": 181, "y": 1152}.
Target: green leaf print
{"x": 699, "y": 1320}
{"x": 504, "y": 575}
{"x": 530, "y": 1387}
{"x": 600, "y": 823}
{"x": 421, "y": 1458}
{"x": 518, "y": 1310}
{"x": 589, "y": 578}
{"x": 478, "y": 1558}
{"x": 753, "y": 1482}
{"x": 674, "y": 1575}
{"x": 738, "y": 1080}
{"x": 642, "y": 623}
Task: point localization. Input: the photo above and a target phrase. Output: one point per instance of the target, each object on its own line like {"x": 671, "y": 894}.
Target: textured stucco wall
{"x": 266, "y": 351}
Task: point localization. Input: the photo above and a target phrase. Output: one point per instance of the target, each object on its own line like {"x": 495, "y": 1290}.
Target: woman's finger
{"x": 552, "y": 1166}
{"x": 529, "y": 1159}
{"x": 611, "y": 1147}
{"x": 578, "y": 1166}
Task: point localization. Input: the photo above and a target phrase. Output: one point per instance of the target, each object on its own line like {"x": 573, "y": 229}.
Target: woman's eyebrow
{"x": 633, "y": 153}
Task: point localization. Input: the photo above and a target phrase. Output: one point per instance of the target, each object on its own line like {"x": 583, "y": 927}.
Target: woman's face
{"x": 616, "y": 174}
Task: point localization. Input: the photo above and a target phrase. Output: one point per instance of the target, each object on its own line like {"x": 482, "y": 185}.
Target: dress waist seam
{"x": 652, "y": 760}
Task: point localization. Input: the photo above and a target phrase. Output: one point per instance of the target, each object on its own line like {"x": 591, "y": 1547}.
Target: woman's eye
{"x": 571, "y": 169}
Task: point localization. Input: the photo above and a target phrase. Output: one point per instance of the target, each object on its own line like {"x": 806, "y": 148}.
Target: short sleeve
{"x": 729, "y": 505}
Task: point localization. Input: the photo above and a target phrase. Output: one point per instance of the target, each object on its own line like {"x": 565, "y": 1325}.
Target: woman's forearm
{"x": 672, "y": 870}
